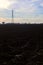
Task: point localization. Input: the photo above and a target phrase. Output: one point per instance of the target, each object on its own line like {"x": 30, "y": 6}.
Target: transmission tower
{"x": 12, "y": 16}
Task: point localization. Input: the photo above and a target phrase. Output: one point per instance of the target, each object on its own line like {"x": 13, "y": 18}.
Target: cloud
{"x": 2, "y": 19}
{"x": 4, "y": 3}
{"x": 22, "y": 8}
{"x": 22, "y": 20}
{"x": 29, "y": 10}
{"x": 41, "y": 4}
{"x": 34, "y": 0}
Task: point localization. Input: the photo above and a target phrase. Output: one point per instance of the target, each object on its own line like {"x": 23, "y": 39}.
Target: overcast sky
{"x": 22, "y": 8}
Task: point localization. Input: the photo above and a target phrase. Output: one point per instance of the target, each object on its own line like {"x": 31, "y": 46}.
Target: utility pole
{"x": 12, "y": 17}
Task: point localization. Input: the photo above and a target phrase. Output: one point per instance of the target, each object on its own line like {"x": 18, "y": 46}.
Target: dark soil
{"x": 21, "y": 44}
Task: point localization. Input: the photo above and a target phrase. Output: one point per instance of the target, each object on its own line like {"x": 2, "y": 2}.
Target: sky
{"x": 22, "y": 9}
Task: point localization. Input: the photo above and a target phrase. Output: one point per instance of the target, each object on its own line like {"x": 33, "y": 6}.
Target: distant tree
{"x": 3, "y": 22}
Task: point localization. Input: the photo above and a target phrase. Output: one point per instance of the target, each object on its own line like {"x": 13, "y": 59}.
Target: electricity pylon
{"x": 12, "y": 17}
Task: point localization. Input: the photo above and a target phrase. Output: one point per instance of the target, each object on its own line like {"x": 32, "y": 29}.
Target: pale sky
{"x": 22, "y": 9}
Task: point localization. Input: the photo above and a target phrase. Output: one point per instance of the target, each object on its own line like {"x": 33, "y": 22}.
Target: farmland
{"x": 21, "y": 44}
